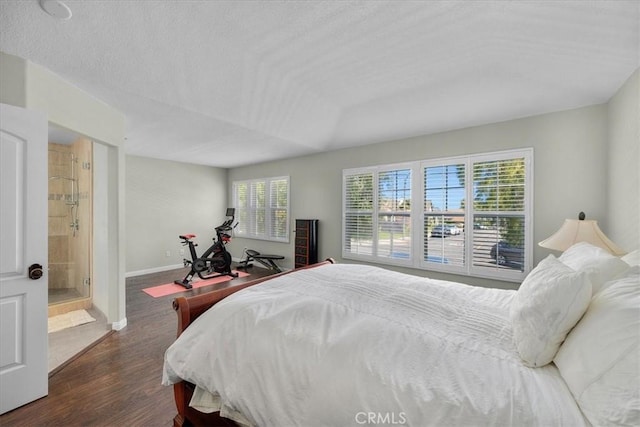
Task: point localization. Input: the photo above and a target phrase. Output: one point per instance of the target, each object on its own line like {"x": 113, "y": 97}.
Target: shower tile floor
{"x": 59, "y": 295}
{"x": 64, "y": 345}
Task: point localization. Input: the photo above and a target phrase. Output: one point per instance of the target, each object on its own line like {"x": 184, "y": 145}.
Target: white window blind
{"x": 279, "y": 209}
{"x": 444, "y": 215}
{"x": 262, "y": 208}
{"x": 358, "y": 213}
{"x": 394, "y": 214}
{"x": 472, "y": 214}
{"x": 241, "y": 203}
{"x": 257, "y": 210}
{"x": 377, "y": 220}
{"x": 499, "y": 212}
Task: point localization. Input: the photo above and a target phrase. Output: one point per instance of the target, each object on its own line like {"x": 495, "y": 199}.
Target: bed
{"x": 346, "y": 344}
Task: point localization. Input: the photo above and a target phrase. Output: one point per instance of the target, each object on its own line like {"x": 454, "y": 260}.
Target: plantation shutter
{"x": 394, "y": 214}
{"x": 258, "y": 209}
{"x": 499, "y": 214}
{"x": 279, "y": 205}
{"x": 358, "y": 213}
{"x": 466, "y": 215}
{"x": 240, "y": 197}
{"x": 262, "y": 208}
{"x": 444, "y": 214}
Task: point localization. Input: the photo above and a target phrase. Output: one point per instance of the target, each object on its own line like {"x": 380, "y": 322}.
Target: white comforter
{"x": 350, "y": 345}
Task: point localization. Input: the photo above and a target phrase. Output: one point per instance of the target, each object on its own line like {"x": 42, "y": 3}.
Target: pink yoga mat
{"x": 172, "y": 288}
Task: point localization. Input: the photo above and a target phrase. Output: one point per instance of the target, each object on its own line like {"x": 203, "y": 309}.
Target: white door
{"x": 23, "y": 243}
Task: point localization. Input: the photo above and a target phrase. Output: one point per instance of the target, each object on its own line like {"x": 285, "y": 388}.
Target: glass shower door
{"x": 69, "y": 222}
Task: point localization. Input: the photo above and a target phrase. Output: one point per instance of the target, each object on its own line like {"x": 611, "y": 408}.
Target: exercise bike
{"x": 215, "y": 261}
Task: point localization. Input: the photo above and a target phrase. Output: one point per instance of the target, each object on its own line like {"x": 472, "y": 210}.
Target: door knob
{"x": 35, "y": 271}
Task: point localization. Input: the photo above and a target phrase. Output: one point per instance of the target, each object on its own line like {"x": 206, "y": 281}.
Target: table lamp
{"x": 580, "y": 230}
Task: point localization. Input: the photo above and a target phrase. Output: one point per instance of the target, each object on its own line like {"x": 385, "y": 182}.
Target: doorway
{"x": 71, "y": 234}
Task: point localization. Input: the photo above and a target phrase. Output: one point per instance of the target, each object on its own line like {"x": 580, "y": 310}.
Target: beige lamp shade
{"x": 580, "y": 230}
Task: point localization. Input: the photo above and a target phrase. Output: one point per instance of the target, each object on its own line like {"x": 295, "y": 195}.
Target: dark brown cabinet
{"x": 306, "y": 242}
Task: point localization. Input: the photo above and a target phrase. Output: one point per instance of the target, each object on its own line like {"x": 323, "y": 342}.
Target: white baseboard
{"x": 116, "y": 326}
{"x": 153, "y": 270}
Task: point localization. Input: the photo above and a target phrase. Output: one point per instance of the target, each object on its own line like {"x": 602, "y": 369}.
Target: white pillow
{"x": 550, "y": 301}
{"x": 600, "y": 265}
{"x": 600, "y": 359}
{"x": 632, "y": 258}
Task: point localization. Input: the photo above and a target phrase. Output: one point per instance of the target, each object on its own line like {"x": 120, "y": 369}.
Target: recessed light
{"x": 56, "y": 8}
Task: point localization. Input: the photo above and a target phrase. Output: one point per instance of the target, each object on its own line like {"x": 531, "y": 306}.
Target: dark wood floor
{"x": 117, "y": 382}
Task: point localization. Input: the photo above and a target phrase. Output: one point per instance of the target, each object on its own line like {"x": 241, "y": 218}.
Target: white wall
{"x": 570, "y": 175}
{"x": 100, "y": 168}
{"x": 165, "y": 199}
{"x": 13, "y": 80}
{"x": 623, "y": 189}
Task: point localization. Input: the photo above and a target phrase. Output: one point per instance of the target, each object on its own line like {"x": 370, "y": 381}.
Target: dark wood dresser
{"x": 306, "y": 242}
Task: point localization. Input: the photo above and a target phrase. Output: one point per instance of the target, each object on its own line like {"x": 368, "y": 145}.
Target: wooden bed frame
{"x": 188, "y": 309}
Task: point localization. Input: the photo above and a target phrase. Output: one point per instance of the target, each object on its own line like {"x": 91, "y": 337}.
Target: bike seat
{"x": 187, "y": 236}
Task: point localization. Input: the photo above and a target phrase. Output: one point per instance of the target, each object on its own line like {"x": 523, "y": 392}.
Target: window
{"x": 394, "y": 214}
{"x": 470, "y": 215}
{"x": 377, "y": 214}
{"x": 262, "y": 208}
{"x": 358, "y": 214}
{"x": 444, "y": 215}
{"x": 499, "y": 214}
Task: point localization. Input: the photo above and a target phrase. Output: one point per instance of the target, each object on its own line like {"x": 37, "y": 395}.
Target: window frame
{"x": 375, "y": 214}
{"x": 417, "y": 215}
{"x": 448, "y": 161}
{"x": 269, "y": 209}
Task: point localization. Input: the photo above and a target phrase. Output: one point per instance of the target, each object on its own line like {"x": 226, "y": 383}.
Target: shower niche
{"x": 70, "y": 228}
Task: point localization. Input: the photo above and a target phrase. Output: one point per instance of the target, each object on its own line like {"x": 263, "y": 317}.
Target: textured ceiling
{"x": 228, "y": 83}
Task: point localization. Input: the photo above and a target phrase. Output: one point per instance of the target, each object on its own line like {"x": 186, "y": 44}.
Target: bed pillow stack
{"x": 600, "y": 359}
{"x": 550, "y": 301}
{"x": 600, "y": 356}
